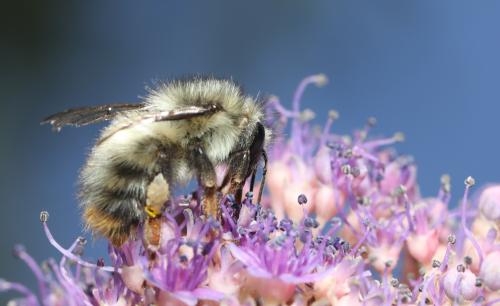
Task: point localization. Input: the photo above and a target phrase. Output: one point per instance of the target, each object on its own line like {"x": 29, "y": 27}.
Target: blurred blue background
{"x": 427, "y": 68}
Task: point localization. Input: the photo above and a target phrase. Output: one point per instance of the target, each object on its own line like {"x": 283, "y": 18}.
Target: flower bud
{"x": 489, "y": 203}
{"x": 490, "y": 271}
{"x": 467, "y": 288}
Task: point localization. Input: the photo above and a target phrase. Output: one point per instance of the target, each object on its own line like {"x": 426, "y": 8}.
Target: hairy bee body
{"x": 131, "y": 151}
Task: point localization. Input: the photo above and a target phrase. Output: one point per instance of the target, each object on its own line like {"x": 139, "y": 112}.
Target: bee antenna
{"x": 264, "y": 172}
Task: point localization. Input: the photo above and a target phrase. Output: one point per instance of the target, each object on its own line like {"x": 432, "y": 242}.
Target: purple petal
{"x": 306, "y": 278}
{"x": 186, "y": 297}
{"x": 208, "y": 294}
{"x": 253, "y": 266}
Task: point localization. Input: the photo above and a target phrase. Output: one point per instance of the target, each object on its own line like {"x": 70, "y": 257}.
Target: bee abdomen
{"x": 113, "y": 198}
{"x": 114, "y": 229}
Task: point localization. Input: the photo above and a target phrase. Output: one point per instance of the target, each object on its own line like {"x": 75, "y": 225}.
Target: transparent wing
{"x": 88, "y": 115}
{"x": 183, "y": 113}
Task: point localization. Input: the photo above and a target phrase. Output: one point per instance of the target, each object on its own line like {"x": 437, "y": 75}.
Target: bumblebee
{"x": 181, "y": 130}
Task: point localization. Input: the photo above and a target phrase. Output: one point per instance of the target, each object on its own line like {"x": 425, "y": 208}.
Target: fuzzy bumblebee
{"x": 182, "y": 129}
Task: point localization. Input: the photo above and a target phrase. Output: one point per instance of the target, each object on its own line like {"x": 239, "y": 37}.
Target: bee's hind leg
{"x": 207, "y": 179}
{"x": 243, "y": 164}
{"x": 157, "y": 194}
{"x": 236, "y": 175}
{"x": 234, "y": 180}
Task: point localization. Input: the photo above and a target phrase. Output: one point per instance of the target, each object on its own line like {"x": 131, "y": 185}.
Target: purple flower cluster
{"x": 343, "y": 223}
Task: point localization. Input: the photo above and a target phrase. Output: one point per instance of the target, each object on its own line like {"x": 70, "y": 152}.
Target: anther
{"x": 82, "y": 241}
{"x": 478, "y": 282}
{"x": 346, "y": 246}
{"x": 421, "y": 271}
{"x": 470, "y": 181}
{"x": 320, "y": 79}
{"x": 406, "y": 299}
{"x": 304, "y": 235}
{"x": 285, "y": 225}
{"x": 18, "y": 249}
{"x": 436, "y": 263}
{"x": 468, "y": 260}
{"x": 399, "y": 137}
{"x": 279, "y": 241}
{"x": 330, "y": 249}
{"x": 307, "y": 115}
{"x": 242, "y": 231}
{"x": 363, "y": 252}
{"x": 100, "y": 262}
{"x": 460, "y": 268}
{"x": 446, "y": 183}
{"x": 44, "y": 216}
{"x": 394, "y": 282}
{"x": 346, "y": 169}
{"x": 445, "y": 179}
{"x": 311, "y": 222}
{"x": 364, "y": 200}
{"x": 336, "y": 221}
{"x": 347, "y": 153}
{"x": 371, "y": 121}
{"x": 333, "y": 114}
{"x": 302, "y": 199}
{"x": 452, "y": 239}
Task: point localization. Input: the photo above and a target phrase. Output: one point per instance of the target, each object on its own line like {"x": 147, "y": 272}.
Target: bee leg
{"x": 207, "y": 179}
{"x": 236, "y": 175}
{"x": 252, "y": 180}
{"x": 235, "y": 178}
{"x": 157, "y": 194}
{"x": 238, "y": 195}
{"x": 244, "y": 163}
{"x": 264, "y": 173}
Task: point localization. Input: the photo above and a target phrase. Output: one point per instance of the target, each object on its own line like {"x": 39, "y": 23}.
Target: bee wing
{"x": 88, "y": 115}
{"x": 183, "y": 113}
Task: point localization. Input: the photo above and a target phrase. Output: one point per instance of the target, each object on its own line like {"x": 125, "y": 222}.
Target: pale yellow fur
{"x": 138, "y": 144}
